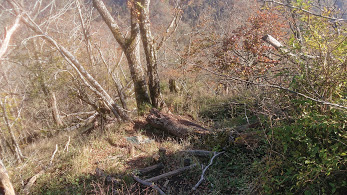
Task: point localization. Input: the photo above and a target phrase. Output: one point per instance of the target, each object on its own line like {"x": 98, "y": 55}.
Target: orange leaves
{"x": 244, "y": 53}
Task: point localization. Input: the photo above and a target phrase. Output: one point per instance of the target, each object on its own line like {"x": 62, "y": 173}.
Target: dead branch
{"x": 32, "y": 180}
{"x": 152, "y": 168}
{"x": 67, "y": 145}
{"x": 149, "y": 184}
{"x": 171, "y": 173}
{"x": 86, "y": 122}
{"x": 171, "y": 28}
{"x": 204, "y": 170}
{"x": 279, "y": 47}
{"x": 55, "y": 151}
{"x": 8, "y": 35}
{"x": 77, "y": 114}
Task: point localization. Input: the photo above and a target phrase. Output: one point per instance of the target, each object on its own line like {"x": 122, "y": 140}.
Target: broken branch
{"x": 146, "y": 170}
{"x": 203, "y": 171}
{"x": 55, "y": 151}
{"x": 171, "y": 173}
{"x": 152, "y": 185}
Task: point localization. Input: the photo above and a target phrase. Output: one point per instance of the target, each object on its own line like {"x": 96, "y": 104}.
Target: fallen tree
{"x": 175, "y": 124}
{"x": 5, "y": 183}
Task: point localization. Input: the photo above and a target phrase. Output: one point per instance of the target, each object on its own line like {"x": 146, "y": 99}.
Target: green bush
{"x": 313, "y": 155}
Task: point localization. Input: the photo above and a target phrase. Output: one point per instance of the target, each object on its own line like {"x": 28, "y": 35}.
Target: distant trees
{"x": 88, "y": 79}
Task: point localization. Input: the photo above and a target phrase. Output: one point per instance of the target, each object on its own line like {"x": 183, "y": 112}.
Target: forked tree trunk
{"x": 150, "y": 51}
{"x": 132, "y": 52}
{"x": 130, "y": 47}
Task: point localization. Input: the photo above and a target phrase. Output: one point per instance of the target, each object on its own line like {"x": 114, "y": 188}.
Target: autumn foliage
{"x": 243, "y": 52}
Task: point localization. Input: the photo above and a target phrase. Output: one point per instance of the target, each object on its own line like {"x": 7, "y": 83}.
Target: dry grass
{"x": 73, "y": 171}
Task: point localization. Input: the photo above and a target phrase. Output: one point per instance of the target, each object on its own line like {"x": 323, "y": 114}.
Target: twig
{"x": 152, "y": 185}
{"x": 246, "y": 114}
{"x": 55, "y": 151}
{"x": 67, "y": 145}
{"x": 171, "y": 173}
{"x": 203, "y": 171}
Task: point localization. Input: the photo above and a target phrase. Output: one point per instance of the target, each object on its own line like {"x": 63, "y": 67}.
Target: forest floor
{"x": 72, "y": 170}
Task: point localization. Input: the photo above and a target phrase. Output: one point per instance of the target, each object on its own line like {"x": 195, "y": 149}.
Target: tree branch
{"x": 109, "y": 20}
{"x": 171, "y": 173}
{"x": 152, "y": 185}
{"x": 306, "y": 11}
{"x": 71, "y": 59}
{"x": 8, "y": 35}
{"x": 203, "y": 171}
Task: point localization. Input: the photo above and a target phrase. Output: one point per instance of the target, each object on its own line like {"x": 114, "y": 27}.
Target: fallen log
{"x": 175, "y": 124}
{"x": 152, "y": 168}
{"x": 5, "y": 183}
{"x": 32, "y": 180}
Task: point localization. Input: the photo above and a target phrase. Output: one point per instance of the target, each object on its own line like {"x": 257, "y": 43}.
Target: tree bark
{"x": 175, "y": 125}
{"x": 55, "y": 110}
{"x": 132, "y": 53}
{"x": 6, "y": 187}
{"x": 150, "y": 52}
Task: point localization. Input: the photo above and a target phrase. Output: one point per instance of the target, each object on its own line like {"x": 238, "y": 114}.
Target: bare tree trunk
{"x": 88, "y": 79}
{"x": 52, "y": 102}
{"x": 150, "y": 51}
{"x": 6, "y": 187}
{"x": 130, "y": 47}
{"x": 55, "y": 110}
